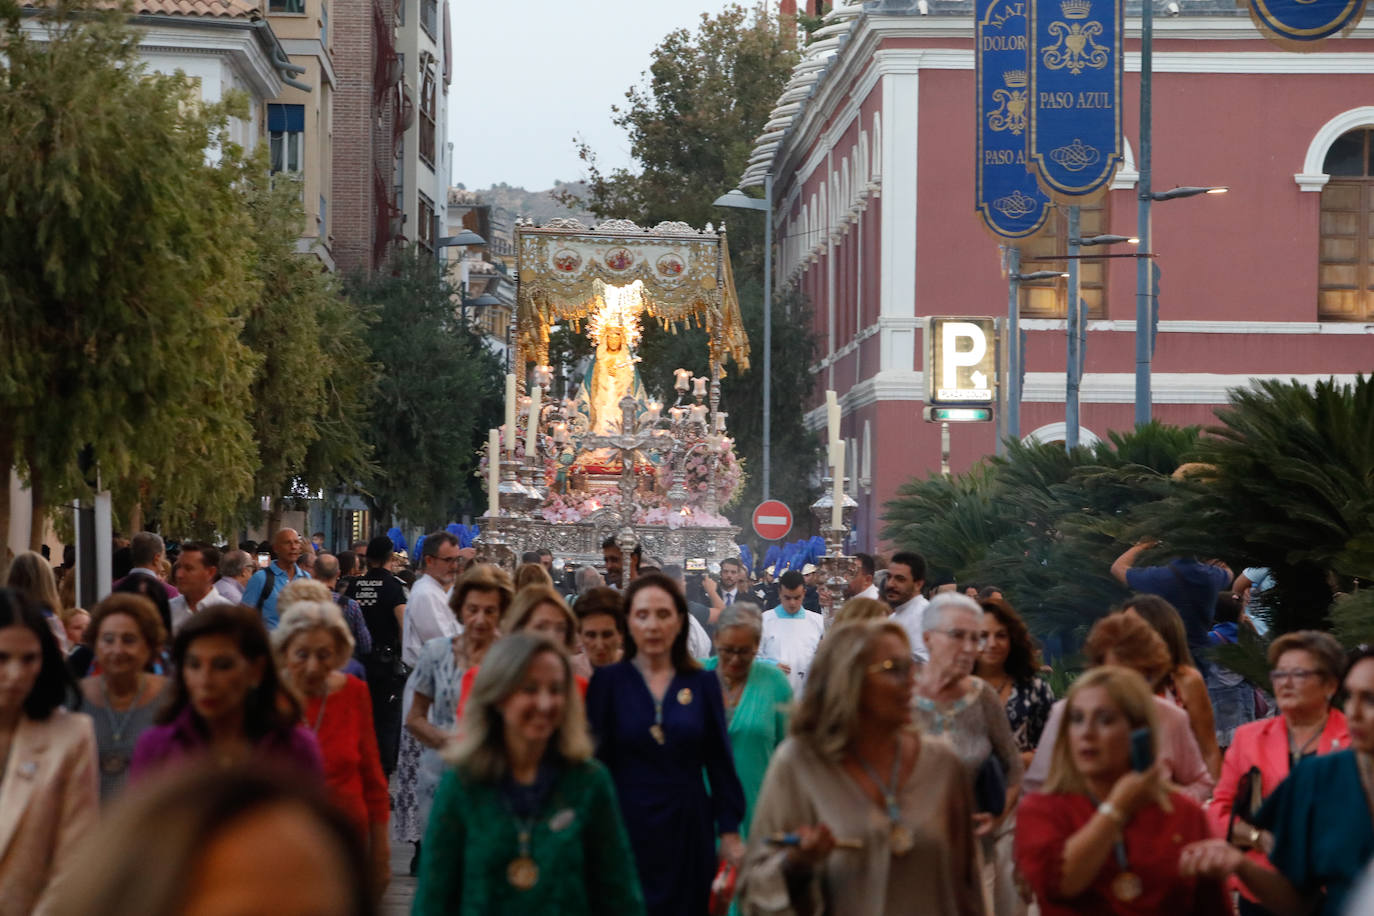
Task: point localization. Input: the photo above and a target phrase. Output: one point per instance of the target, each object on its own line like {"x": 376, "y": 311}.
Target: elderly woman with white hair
{"x": 951, "y": 703}
{"x": 757, "y": 697}
{"x": 311, "y": 642}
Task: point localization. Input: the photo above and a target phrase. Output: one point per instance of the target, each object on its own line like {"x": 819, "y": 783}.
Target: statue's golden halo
{"x": 617, "y": 307}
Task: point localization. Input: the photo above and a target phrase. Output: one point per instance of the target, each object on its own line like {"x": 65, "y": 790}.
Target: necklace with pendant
{"x": 899, "y": 835}
{"x": 115, "y": 761}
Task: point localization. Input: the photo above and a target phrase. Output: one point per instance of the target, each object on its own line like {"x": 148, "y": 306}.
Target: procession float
{"x": 605, "y": 459}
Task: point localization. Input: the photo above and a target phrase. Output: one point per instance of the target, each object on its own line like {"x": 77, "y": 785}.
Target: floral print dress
{"x": 1028, "y": 708}
{"x": 439, "y": 676}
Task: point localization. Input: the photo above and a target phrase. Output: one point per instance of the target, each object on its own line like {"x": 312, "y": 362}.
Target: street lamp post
{"x": 1015, "y": 354}
{"x": 739, "y": 200}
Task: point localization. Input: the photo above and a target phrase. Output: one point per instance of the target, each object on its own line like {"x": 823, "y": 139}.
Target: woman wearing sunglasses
{"x": 858, "y": 813}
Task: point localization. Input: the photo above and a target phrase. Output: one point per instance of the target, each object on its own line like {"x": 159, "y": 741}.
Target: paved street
{"x": 396, "y": 901}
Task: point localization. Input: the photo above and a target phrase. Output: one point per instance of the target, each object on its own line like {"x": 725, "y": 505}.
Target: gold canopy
{"x": 685, "y": 273}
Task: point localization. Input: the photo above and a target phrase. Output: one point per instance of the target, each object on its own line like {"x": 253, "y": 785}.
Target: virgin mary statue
{"x": 613, "y": 372}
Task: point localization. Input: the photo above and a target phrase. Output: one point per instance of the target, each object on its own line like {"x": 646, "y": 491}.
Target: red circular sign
{"x": 772, "y": 520}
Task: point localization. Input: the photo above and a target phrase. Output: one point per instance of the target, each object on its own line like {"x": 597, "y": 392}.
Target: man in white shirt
{"x": 427, "y": 614}
{"x": 195, "y": 577}
{"x": 861, "y": 583}
{"x": 906, "y": 573}
{"x": 791, "y": 633}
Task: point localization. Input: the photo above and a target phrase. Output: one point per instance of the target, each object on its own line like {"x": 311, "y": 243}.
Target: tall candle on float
{"x": 832, "y": 424}
{"x": 494, "y": 473}
{"x": 510, "y": 413}
{"x": 837, "y": 472}
{"x": 532, "y": 424}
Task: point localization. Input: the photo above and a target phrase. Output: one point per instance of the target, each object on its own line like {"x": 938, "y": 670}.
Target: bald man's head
{"x": 286, "y": 544}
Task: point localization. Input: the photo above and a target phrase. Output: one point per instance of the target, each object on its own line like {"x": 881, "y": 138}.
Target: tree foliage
{"x": 439, "y": 390}
{"x": 125, "y": 265}
{"x": 1286, "y": 480}
{"x": 310, "y": 392}
{"x": 1042, "y": 523}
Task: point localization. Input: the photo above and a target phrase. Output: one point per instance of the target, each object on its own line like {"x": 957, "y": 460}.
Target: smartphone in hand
{"x": 1142, "y": 750}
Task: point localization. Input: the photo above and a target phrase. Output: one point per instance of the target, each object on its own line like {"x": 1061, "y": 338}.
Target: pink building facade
{"x": 871, "y": 152}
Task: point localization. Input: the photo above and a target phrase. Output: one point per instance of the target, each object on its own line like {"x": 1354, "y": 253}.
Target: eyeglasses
{"x": 970, "y": 637}
{"x": 1300, "y": 675}
{"x": 897, "y": 668}
{"x": 736, "y": 653}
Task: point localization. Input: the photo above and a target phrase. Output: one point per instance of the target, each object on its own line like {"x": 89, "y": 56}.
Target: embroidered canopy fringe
{"x": 686, "y": 275}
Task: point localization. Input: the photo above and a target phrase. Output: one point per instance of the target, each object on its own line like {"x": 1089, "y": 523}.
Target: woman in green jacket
{"x": 526, "y": 820}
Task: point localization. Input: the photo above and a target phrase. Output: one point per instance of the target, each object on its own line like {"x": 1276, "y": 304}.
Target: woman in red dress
{"x": 312, "y": 641}
{"x": 1103, "y": 837}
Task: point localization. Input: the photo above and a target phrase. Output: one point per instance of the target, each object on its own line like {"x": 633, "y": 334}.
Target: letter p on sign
{"x": 953, "y": 356}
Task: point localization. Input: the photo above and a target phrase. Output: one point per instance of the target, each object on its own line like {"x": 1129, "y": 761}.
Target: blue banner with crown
{"x": 1008, "y": 198}
{"x": 1304, "y": 25}
{"x": 1075, "y": 95}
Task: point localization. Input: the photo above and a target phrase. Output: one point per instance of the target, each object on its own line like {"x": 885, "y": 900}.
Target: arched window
{"x": 1345, "y": 283}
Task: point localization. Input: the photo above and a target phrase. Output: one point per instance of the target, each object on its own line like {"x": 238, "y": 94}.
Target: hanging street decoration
{"x": 1009, "y": 200}
{"x": 1075, "y": 95}
{"x": 1304, "y": 25}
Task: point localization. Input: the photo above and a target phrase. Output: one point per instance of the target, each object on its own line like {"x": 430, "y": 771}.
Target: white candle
{"x": 675, "y": 413}
{"x": 653, "y": 411}
{"x": 510, "y": 412}
{"x": 837, "y": 470}
{"x": 560, "y": 433}
{"x": 720, "y": 420}
{"x": 699, "y": 387}
{"x": 532, "y": 424}
{"x": 699, "y": 412}
{"x": 683, "y": 379}
{"x": 832, "y": 421}
{"x": 542, "y": 376}
{"x": 494, "y": 473}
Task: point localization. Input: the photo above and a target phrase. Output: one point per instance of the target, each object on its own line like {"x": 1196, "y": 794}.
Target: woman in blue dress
{"x": 1317, "y": 827}
{"x": 659, "y": 723}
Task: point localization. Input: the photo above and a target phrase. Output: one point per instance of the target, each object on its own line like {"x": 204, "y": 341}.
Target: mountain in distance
{"x": 540, "y": 206}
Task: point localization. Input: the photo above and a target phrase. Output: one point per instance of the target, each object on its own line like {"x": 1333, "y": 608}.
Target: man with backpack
{"x": 262, "y": 590}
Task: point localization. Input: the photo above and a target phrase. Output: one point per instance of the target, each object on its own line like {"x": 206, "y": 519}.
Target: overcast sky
{"x": 530, "y": 76}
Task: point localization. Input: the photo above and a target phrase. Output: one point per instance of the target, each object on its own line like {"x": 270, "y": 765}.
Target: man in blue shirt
{"x": 262, "y": 590}
{"x": 1186, "y": 582}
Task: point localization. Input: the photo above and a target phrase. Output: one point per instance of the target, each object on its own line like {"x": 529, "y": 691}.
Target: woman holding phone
{"x": 1104, "y": 835}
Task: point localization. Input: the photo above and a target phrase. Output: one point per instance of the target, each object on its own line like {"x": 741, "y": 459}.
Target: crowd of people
{"x": 259, "y": 729}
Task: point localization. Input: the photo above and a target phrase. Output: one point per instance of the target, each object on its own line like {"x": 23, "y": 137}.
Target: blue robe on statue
{"x": 673, "y": 818}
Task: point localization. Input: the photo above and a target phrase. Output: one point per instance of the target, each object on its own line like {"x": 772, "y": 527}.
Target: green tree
{"x": 312, "y": 389}
{"x": 125, "y": 263}
{"x": 438, "y": 392}
{"x": 1042, "y": 523}
{"x": 1286, "y": 480}
{"x": 692, "y": 124}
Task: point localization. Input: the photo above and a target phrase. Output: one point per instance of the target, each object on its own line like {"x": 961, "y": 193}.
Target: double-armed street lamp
{"x": 738, "y": 200}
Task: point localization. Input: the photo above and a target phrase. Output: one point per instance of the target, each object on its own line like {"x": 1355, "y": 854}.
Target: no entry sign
{"x": 772, "y": 520}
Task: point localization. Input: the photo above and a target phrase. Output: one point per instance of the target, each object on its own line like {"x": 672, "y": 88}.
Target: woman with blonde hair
{"x": 32, "y": 574}
{"x": 858, "y": 813}
{"x": 1094, "y": 840}
{"x": 526, "y": 820}
{"x": 1128, "y": 641}
{"x": 857, "y": 609}
{"x": 311, "y": 641}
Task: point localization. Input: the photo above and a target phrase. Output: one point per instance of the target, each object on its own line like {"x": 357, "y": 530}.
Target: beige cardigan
{"x": 939, "y": 877}
{"x": 49, "y": 801}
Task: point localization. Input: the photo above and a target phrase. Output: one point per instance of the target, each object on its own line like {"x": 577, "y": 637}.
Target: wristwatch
{"x": 1108, "y": 810}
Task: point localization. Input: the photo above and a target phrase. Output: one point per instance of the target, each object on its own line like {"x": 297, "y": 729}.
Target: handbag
{"x": 990, "y": 787}
{"x": 1249, "y": 797}
{"x": 723, "y": 889}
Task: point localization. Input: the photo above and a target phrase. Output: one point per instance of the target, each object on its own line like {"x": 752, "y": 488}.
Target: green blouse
{"x": 758, "y": 726}
{"x": 578, "y": 843}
